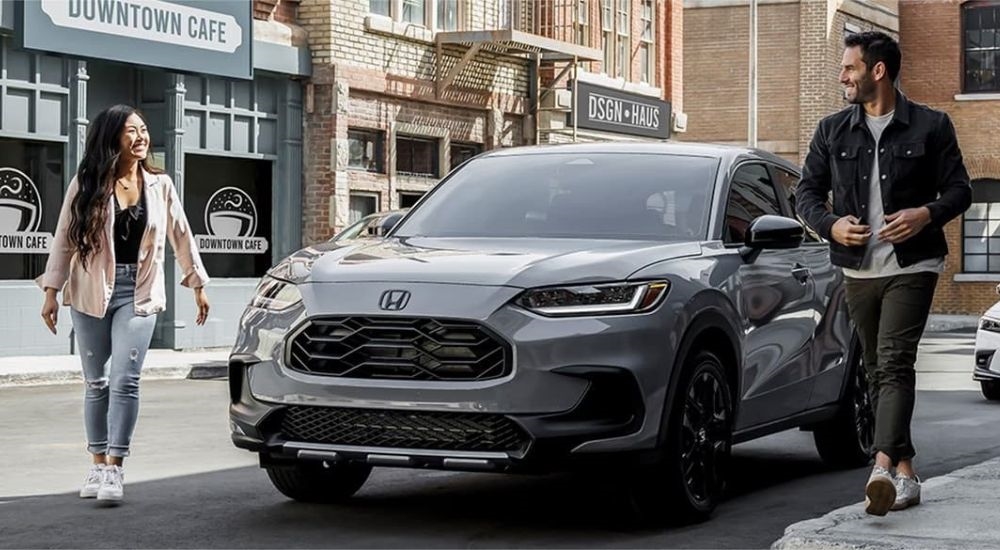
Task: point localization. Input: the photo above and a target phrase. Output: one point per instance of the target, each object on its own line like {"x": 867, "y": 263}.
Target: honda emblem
{"x": 394, "y": 300}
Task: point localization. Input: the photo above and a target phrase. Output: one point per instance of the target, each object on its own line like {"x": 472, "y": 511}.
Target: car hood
{"x": 522, "y": 263}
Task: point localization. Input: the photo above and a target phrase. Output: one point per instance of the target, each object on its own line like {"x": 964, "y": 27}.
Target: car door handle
{"x": 801, "y": 273}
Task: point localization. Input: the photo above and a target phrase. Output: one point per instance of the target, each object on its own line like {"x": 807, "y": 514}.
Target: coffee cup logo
{"x": 231, "y": 223}
{"x": 20, "y": 215}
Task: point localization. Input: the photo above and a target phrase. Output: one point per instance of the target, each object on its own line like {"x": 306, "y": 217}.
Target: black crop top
{"x": 130, "y": 224}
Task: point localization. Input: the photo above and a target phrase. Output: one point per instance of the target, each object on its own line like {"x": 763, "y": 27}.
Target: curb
{"x": 810, "y": 535}
{"x": 198, "y": 371}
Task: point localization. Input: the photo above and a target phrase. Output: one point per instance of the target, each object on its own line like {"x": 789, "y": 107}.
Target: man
{"x": 897, "y": 178}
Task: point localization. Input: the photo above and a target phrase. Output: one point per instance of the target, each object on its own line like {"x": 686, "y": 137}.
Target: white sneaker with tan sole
{"x": 880, "y": 492}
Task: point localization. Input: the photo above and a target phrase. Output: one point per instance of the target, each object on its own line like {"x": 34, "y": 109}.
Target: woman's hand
{"x": 201, "y": 300}
{"x": 50, "y": 309}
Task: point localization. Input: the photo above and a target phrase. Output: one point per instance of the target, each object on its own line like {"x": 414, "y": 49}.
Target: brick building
{"x": 959, "y": 73}
{"x": 799, "y": 49}
{"x": 404, "y": 90}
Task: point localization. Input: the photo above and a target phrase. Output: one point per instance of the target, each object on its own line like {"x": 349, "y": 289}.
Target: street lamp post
{"x": 752, "y": 96}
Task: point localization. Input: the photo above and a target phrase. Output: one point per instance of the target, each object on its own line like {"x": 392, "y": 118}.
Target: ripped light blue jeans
{"x": 112, "y": 350}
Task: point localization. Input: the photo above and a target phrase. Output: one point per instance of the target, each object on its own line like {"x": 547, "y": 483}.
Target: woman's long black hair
{"x": 95, "y": 179}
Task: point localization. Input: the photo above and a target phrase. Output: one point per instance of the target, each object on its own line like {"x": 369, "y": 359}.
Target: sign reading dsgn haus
{"x": 202, "y": 36}
{"x": 610, "y": 110}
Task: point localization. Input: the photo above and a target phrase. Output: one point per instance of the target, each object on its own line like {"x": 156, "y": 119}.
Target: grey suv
{"x": 642, "y": 306}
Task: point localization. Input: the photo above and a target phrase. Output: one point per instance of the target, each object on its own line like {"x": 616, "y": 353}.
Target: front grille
{"x": 403, "y": 429}
{"x": 398, "y": 348}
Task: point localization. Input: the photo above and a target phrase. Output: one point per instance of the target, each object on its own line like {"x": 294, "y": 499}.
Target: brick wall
{"x": 932, "y": 75}
{"x": 716, "y": 69}
{"x": 370, "y": 72}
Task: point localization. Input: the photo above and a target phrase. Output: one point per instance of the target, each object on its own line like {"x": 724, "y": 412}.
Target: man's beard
{"x": 864, "y": 90}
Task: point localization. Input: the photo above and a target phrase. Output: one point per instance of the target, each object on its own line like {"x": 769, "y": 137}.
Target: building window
{"x": 461, "y": 152}
{"x": 647, "y": 50}
{"x": 408, "y": 198}
{"x": 416, "y": 156}
{"x": 608, "y": 35}
{"x": 380, "y": 7}
{"x": 447, "y": 15}
{"x": 624, "y": 39}
{"x": 361, "y": 205}
{"x": 415, "y": 12}
{"x": 365, "y": 150}
{"x": 583, "y": 23}
{"x": 981, "y": 22}
{"x": 981, "y": 229}
{"x": 31, "y": 194}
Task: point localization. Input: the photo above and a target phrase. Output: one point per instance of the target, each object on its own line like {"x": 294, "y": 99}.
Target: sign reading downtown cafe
{"x": 610, "y": 110}
{"x": 200, "y": 36}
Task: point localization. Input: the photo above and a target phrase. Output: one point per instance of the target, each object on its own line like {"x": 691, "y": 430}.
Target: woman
{"x": 107, "y": 258}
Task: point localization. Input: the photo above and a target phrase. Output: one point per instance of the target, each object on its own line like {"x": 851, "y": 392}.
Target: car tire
{"x": 319, "y": 481}
{"x": 688, "y": 481}
{"x": 991, "y": 389}
{"x": 848, "y": 440}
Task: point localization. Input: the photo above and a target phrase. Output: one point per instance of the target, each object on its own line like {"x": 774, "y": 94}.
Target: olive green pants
{"x": 890, "y": 314}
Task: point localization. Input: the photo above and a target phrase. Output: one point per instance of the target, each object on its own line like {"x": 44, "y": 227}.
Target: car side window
{"x": 789, "y": 181}
{"x": 751, "y": 194}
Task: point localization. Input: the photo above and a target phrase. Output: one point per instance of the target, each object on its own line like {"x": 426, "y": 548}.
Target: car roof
{"x": 727, "y": 153}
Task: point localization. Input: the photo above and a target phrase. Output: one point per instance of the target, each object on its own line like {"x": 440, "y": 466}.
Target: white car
{"x": 987, "y": 360}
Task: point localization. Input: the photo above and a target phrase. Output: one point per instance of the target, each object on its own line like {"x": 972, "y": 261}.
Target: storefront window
{"x": 416, "y": 156}
{"x": 228, "y": 202}
{"x": 31, "y": 194}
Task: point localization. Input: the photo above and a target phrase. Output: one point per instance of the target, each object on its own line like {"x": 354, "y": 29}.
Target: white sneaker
{"x": 93, "y": 481}
{"x": 111, "y": 485}
{"x": 880, "y": 492}
{"x": 907, "y": 492}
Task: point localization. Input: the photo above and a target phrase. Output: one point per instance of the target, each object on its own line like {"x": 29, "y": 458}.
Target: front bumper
{"x": 987, "y": 366}
{"x": 579, "y": 387}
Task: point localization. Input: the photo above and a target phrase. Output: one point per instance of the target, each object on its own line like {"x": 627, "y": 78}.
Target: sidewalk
{"x": 160, "y": 364}
{"x": 960, "y": 510}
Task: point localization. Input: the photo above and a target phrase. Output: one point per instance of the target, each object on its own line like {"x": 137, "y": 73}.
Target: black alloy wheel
{"x": 688, "y": 481}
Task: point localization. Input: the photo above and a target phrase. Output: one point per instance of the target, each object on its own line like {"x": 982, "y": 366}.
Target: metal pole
{"x": 752, "y": 100}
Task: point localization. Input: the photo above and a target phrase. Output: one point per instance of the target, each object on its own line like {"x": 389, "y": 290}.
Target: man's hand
{"x": 848, "y": 232}
{"x": 904, "y": 224}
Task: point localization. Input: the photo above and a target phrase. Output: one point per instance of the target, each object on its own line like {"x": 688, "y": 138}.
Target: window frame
{"x": 985, "y": 191}
{"x": 965, "y": 8}
{"x": 435, "y": 157}
{"x": 363, "y": 194}
{"x": 608, "y": 42}
{"x": 648, "y": 73}
{"x": 476, "y": 148}
{"x": 378, "y": 154}
{"x": 459, "y": 14}
{"x": 623, "y": 39}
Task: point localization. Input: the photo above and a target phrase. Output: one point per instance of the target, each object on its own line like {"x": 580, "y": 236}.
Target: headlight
{"x": 601, "y": 299}
{"x": 991, "y": 325}
{"x": 275, "y": 294}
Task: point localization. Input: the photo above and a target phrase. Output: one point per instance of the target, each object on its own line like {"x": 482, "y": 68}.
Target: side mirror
{"x": 771, "y": 233}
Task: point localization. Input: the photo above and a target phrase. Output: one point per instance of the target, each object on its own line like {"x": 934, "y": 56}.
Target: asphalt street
{"x": 187, "y": 487}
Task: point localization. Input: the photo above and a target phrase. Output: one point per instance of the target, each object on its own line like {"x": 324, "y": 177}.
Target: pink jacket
{"x": 89, "y": 290}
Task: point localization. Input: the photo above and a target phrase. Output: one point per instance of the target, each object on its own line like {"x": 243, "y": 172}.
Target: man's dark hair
{"x": 877, "y": 46}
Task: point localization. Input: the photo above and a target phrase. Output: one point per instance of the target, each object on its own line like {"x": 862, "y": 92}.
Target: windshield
{"x": 598, "y": 196}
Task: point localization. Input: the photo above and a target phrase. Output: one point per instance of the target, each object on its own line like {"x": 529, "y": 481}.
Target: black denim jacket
{"x": 920, "y": 165}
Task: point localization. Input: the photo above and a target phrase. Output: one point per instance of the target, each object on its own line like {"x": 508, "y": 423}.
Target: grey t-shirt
{"x": 880, "y": 257}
